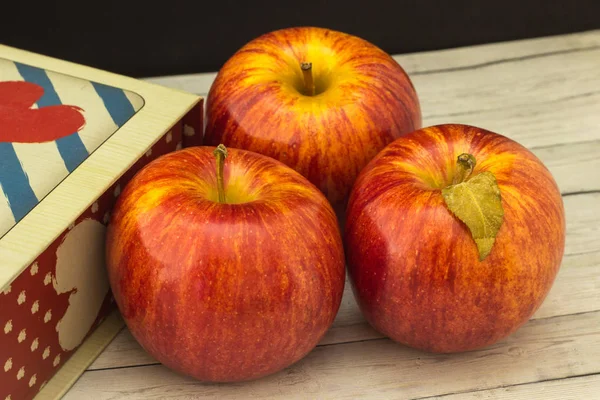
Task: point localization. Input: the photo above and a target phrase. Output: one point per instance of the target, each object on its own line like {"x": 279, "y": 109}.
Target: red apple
{"x": 327, "y": 120}
{"x": 225, "y": 289}
{"x": 414, "y": 264}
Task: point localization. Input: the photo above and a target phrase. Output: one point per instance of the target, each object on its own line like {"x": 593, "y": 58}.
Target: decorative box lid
{"x": 50, "y": 122}
{"x": 67, "y": 132}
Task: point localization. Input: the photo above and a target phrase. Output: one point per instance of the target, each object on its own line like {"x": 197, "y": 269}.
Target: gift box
{"x": 71, "y": 137}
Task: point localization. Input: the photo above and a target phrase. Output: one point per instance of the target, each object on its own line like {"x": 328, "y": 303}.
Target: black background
{"x": 174, "y": 36}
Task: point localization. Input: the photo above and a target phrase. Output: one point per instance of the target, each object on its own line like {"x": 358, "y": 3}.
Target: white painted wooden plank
{"x": 538, "y": 102}
{"x": 194, "y": 83}
{"x": 576, "y": 288}
{"x": 544, "y": 349}
{"x": 575, "y": 167}
{"x": 583, "y": 223}
{"x": 583, "y": 387}
{"x": 467, "y": 57}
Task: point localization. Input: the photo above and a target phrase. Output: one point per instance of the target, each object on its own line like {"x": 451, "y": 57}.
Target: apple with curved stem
{"x": 321, "y": 101}
{"x": 454, "y": 237}
{"x": 228, "y": 272}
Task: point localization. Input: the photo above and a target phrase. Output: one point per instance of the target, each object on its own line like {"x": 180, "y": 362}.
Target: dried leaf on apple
{"x": 478, "y": 203}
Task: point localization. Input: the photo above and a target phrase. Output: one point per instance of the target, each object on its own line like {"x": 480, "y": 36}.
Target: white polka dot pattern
{"x": 8, "y": 326}
{"x": 34, "y": 269}
{"x": 188, "y": 130}
{"x": 35, "y": 344}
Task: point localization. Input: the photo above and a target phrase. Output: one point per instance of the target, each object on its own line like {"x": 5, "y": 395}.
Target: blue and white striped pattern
{"x": 29, "y": 171}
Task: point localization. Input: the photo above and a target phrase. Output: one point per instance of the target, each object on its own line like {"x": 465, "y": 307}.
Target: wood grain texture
{"x": 544, "y": 93}
{"x": 549, "y": 348}
{"x": 573, "y": 165}
{"x": 582, "y": 387}
{"x": 516, "y": 99}
{"x": 583, "y": 227}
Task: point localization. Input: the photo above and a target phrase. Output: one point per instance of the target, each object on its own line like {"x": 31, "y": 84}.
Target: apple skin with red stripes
{"x": 363, "y": 100}
{"x": 414, "y": 266}
{"x": 231, "y": 291}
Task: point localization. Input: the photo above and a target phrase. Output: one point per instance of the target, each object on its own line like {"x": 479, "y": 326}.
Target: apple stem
{"x": 220, "y": 154}
{"x": 465, "y": 163}
{"x": 309, "y": 85}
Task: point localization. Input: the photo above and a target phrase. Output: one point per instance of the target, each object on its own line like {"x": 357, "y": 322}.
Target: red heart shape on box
{"x": 21, "y": 124}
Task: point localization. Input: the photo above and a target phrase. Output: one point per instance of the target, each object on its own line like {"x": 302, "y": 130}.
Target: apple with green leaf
{"x": 454, "y": 236}
{"x": 225, "y": 269}
{"x": 321, "y": 101}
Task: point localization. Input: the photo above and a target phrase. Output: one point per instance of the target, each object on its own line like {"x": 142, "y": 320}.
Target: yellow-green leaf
{"x": 477, "y": 202}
